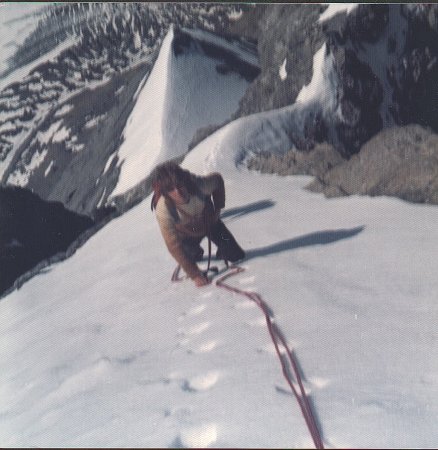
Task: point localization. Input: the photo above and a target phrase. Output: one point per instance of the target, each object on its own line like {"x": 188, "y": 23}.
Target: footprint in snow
{"x": 310, "y": 385}
{"x": 194, "y": 330}
{"x": 259, "y": 322}
{"x": 206, "y": 347}
{"x": 285, "y": 389}
{"x": 206, "y": 294}
{"x": 196, "y": 310}
{"x": 247, "y": 280}
{"x": 319, "y": 382}
{"x": 201, "y": 383}
{"x": 185, "y": 333}
{"x": 245, "y": 304}
{"x": 199, "y": 436}
{"x": 270, "y": 348}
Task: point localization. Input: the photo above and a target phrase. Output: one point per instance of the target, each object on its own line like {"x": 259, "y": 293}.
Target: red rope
{"x": 278, "y": 338}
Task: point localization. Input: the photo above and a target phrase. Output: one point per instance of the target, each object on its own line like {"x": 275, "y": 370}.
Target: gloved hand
{"x": 201, "y": 280}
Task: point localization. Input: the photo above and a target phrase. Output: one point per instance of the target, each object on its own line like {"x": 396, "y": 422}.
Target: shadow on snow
{"x": 318, "y": 238}
{"x": 248, "y": 209}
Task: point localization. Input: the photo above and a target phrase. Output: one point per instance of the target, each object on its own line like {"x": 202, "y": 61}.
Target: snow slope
{"x": 17, "y": 21}
{"x": 182, "y": 94}
{"x": 103, "y": 350}
{"x": 336, "y": 8}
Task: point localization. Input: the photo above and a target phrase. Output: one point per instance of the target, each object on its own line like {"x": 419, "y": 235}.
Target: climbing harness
{"x": 287, "y": 360}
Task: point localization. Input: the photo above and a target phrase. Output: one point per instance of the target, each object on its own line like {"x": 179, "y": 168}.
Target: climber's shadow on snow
{"x": 247, "y": 209}
{"x": 318, "y": 238}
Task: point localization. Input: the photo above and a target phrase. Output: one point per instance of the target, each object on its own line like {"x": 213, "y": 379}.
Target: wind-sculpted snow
{"x": 185, "y": 91}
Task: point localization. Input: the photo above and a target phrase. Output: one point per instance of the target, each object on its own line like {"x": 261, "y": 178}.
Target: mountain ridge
{"x": 338, "y": 81}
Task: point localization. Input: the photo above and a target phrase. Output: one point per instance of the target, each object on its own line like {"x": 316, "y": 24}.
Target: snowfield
{"x": 17, "y": 22}
{"x": 103, "y": 350}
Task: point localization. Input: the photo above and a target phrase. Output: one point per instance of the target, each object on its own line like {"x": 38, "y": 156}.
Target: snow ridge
{"x": 174, "y": 103}
{"x": 102, "y": 349}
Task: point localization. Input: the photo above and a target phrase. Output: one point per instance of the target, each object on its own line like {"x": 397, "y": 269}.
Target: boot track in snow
{"x": 287, "y": 359}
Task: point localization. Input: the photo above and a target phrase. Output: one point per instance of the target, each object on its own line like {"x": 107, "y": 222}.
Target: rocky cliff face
{"x": 285, "y": 34}
{"x": 385, "y": 63}
{"x": 385, "y": 59}
{"x": 32, "y": 230}
{"x": 399, "y": 161}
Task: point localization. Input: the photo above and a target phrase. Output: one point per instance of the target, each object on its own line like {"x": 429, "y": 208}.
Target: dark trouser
{"x": 227, "y": 246}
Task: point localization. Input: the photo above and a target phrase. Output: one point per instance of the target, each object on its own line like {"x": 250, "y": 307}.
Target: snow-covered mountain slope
{"x": 382, "y": 67}
{"x": 56, "y": 133}
{"x": 16, "y": 23}
{"x": 184, "y": 92}
{"x": 103, "y": 350}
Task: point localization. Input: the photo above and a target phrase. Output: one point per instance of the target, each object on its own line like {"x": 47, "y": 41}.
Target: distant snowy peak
{"x": 75, "y": 44}
{"x": 343, "y": 72}
{"x": 73, "y": 48}
{"x": 131, "y": 25}
{"x": 336, "y": 8}
{"x": 197, "y": 81}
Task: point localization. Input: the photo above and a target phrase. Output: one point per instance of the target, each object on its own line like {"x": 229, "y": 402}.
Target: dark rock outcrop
{"x": 415, "y": 93}
{"x": 282, "y": 32}
{"x": 32, "y": 230}
{"x": 399, "y": 161}
{"x": 385, "y": 60}
{"x": 316, "y": 162}
{"x": 360, "y": 95}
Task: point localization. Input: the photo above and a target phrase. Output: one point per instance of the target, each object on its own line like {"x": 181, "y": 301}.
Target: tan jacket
{"x": 191, "y": 219}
